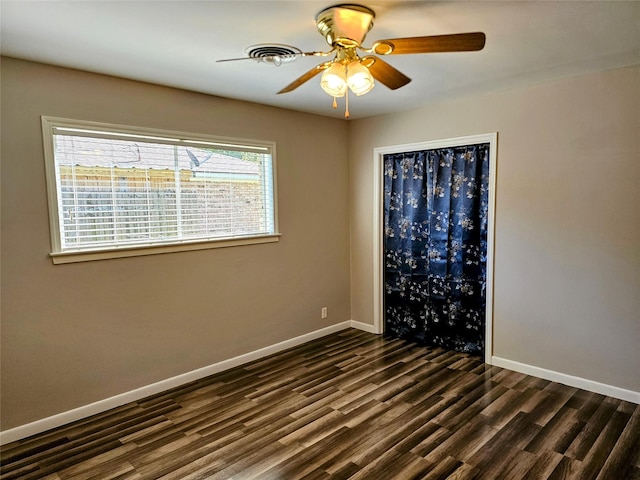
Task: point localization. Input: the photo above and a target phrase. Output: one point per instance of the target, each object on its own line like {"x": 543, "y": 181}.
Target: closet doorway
{"x": 433, "y": 251}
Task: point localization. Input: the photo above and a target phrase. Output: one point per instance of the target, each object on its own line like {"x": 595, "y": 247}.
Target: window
{"x": 120, "y": 191}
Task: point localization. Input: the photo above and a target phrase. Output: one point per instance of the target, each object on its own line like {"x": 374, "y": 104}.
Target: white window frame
{"x": 50, "y": 125}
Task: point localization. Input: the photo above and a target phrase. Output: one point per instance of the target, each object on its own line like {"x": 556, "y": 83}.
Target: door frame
{"x": 378, "y": 224}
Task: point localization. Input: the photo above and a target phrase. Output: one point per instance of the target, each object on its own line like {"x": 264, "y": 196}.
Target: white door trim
{"x": 378, "y": 216}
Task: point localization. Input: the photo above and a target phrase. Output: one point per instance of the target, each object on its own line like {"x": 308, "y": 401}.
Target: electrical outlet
{"x": 324, "y": 312}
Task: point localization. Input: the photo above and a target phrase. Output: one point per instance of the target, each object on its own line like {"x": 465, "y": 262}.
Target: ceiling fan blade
{"x": 385, "y": 73}
{"x": 236, "y": 59}
{"x": 457, "y": 42}
{"x": 305, "y": 77}
{"x": 271, "y": 58}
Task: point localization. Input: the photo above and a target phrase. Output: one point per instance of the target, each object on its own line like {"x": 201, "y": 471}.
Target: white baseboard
{"x": 365, "y": 327}
{"x": 100, "y": 406}
{"x": 570, "y": 380}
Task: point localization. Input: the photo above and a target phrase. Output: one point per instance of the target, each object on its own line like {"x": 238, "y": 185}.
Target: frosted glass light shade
{"x": 334, "y": 81}
{"x": 359, "y": 78}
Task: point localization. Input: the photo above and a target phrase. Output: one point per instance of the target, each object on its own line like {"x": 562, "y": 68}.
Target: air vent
{"x": 273, "y": 53}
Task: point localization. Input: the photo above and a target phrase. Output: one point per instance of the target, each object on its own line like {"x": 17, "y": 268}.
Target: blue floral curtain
{"x": 435, "y": 220}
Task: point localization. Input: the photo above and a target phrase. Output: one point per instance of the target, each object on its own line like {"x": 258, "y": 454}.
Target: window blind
{"x": 118, "y": 189}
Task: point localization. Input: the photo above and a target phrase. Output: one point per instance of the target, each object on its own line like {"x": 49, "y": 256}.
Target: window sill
{"x": 136, "y": 251}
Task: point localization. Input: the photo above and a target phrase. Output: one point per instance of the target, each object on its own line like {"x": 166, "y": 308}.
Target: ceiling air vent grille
{"x": 273, "y": 53}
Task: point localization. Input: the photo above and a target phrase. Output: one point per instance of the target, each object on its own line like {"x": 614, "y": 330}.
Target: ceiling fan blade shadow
{"x": 457, "y": 42}
{"x": 386, "y": 74}
{"x": 305, "y": 77}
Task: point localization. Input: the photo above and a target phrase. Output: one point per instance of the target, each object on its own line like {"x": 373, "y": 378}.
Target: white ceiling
{"x": 177, "y": 43}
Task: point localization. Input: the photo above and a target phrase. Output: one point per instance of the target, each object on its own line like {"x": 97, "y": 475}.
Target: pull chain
{"x": 346, "y": 112}
{"x": 335, "y": 103}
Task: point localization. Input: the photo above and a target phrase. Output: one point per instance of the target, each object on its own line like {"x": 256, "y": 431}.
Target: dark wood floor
{"x": 350, "y": 405}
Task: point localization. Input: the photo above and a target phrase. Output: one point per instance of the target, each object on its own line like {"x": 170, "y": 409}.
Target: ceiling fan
{"x": 344, "y": 28}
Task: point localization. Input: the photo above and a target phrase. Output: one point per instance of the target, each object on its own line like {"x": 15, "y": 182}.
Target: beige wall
{"x": 567, "y": 251}
{"x": 78, "y": 333}
{"x": 567, "y": 266}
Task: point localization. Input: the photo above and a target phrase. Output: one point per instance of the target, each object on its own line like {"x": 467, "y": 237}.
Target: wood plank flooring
{"x": 348, "y": 406}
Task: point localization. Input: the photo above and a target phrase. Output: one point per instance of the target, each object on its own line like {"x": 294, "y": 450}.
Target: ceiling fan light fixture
{"x": 334, "y": 80}
{"x": 344, "y": 27}
{"x": 359, "y": 78}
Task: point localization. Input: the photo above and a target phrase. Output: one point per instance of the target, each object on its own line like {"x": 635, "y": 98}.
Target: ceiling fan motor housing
{"x": 345, "y": 24}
